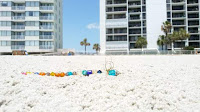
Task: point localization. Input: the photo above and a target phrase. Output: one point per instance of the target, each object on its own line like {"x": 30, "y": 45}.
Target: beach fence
{"x": 136, "y": 52}
{"x": 151, "y": 52}
{"x": 132, "y": 52}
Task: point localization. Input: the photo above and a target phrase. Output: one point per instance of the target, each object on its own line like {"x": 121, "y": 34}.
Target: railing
{"x": 18, "y": 18}
{"x": 17, "y": 37}
{"x": 192, "y": 1}
{"x": 155, "y": 52}
{"x": 46, "y": 17}
{"x": 46, "y": 37}
{"x": 18, "y": 7}
{"x": 46, "y": 27}
{"x": 134, "y": 18}
{"x": 46, "y": 46}
{"x": 177, "y": 1}
{"x": 18, "y": 47}
{"x": 18, "y": 27}
{"x": 116, "y": 2}
{"x": 47, "y": 1}
{"x": 136, "y": 3}
{"x": 46, "y": 7}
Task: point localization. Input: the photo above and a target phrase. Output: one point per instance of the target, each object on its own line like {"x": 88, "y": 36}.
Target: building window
{"x": 5, "y": 4}
{"x": 32, "y": 4}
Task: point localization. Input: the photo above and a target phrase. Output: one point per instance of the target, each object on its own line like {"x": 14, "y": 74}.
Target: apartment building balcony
{"x": 193, "y": 30}
{"x": 18, "y": 17}
{"x": 46, "y": 37}
{"x": 194, "y": 44}
{"x": 134, "y": 3}
{"x": 18, "y": 37}
{"x": 194, "y": 15}
{"x": 193, "y": 23}
{"x": 134, "y": 25}
{"x": 133, "y": 38}
{"x": 134, "y": 10}
{"x": 110, "y": 2}
{"x": 116, "y": 16}
{"x": 194, "y": 37}
{"x": 18, "y": 27}
{"x": 116, "y": 10}
{"x": 178, "y": 1}
{"x": 46, "y": 27}
{"x": 47, "y": 1}
{"x": 194, "y": 8}
{"x": 178, "y": 8}
{"x": 192, "y": 2}
{"x": 178, "y": 15}
{"x": 117, "y": 38}
{"x": 46, "y": 47}
{"x": 17, "y": 47}
{"x": 46, "y": 7}
{"x": 46, "y": 17}
{"x": 18, "y": 7}
{"x": 178, "y": 23}
{"x": 135, "y": 18}
{"x": 135, "y": 32}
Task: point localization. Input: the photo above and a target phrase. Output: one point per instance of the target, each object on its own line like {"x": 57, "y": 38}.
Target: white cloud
{"x": 93, "y": 26}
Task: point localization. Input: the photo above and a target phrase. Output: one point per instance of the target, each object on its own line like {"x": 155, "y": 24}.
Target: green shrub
{"x": 188, "y": 48}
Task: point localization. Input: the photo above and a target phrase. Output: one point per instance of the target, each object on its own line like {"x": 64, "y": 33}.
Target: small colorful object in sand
{"x": 89, "y": 72}
{"x": 36, "y": 73}
{"x": 57, "y": 74}
{"x": 84, "y": 72}
{"x": 23, "y": 73}
{"x": 112, "y": 73}
{"x": 48, "y": 74}
{"x": 69, "y": 73}
{"x": 42, "y": 74}
{"x": 99, "y": 72}
{"x": 52, "y": 74}
{"x": 74, "y": 73}
{"x": 28, "y": 73}
{"x": 62, "y": 74}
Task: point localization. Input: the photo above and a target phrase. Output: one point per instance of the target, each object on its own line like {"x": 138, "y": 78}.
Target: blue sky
{"x": 80, "y": 20}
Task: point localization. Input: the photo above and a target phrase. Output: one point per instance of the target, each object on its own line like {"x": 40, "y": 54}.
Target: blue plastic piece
{"x": 112, "y": 73}
{"x": 69, "y": 73}
{"x": 99, "y": 72}
{"x": 89, "y": 72}
{"x": 36, "y": 73}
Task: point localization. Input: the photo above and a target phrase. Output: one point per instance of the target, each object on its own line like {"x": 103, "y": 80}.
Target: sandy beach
{"x": 146, "y": 83}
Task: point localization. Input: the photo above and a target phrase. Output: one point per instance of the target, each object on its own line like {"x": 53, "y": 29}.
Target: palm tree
{"x": 183, "y": 35}
{"x": 96, "y": 47}
{"x": 161, "y": 41}
{"x": 85, "y": 43}
{"x": 172, "y": 38}
{"x": 166, "y": 28}
{"x": 141, "y": 42}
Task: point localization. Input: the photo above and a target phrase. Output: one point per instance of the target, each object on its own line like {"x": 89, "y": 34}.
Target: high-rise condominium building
{"x": 31, "y": 25}
{"x": 123, "y": 21}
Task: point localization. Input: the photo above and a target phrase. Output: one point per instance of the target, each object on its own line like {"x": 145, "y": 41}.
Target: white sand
{"x": 147, "y": 83}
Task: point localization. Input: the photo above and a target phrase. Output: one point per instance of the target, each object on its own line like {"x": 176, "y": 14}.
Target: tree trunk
{"x": 162, "y": 47}
{"x": 85, "y": 50}
{"x": 172, "y": 46}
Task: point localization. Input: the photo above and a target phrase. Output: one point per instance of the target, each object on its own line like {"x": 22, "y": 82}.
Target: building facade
{"x": 31, "y": 25}
{"x": 123, "y": 21}
{"x": 184, "y": 14}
